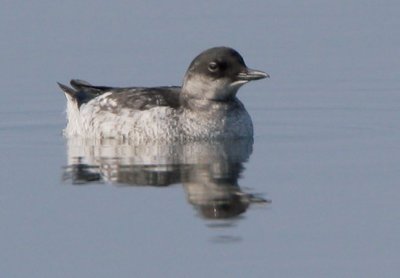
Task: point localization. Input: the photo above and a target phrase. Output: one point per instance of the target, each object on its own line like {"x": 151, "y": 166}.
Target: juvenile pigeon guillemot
{"x": 205, "y": 107}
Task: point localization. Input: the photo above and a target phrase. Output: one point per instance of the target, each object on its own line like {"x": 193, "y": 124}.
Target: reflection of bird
{"x": 123, "y": 162}
{"x": 208, "y": 170}
{"x": 204, "y": 107}
{"x": 213, "y": 189}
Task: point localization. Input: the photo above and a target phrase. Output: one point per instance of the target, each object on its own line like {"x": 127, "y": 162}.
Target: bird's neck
{"x": 207, "y": 105}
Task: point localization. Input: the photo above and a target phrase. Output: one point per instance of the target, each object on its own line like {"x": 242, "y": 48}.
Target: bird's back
{"x": 139, "y": 98}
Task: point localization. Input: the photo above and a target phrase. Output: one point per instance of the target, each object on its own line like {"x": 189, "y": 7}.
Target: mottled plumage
{"x": 204, "y": 107}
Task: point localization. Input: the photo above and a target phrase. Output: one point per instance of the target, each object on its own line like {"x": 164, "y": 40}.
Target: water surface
{"x": 315, "y": 195}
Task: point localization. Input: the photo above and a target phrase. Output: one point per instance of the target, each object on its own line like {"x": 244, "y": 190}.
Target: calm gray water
{"x": 316, "y": 194}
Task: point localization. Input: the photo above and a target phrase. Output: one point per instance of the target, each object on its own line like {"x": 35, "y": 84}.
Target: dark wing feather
{"x": 81, "y": 85}
{"x": 146, "y": 98}
{"x": 137, "y": 98}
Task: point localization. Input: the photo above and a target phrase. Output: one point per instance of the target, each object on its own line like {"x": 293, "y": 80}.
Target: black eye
{"x": 213, "y": 66}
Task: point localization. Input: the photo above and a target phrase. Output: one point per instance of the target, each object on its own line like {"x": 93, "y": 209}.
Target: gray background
{"x": 326, "y": 146}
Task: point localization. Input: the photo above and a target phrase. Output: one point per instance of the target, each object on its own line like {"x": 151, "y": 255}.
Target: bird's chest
{"x": 220, "y": 124}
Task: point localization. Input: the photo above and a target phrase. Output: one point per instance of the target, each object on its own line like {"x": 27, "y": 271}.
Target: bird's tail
{"x": 67, "y": 90}
{"x": 73, "y": 117}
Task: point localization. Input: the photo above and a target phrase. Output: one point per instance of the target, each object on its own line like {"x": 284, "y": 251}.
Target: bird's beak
{"x": 251, "y": 74}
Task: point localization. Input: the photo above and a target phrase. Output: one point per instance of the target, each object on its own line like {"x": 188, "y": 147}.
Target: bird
{"x": 204, "y": 107}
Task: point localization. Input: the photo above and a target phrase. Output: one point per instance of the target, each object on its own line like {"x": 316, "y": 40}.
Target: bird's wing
{"x": 135, "y": 98}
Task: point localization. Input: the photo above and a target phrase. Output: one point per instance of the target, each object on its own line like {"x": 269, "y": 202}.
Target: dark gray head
{"x": 217, "y": 74}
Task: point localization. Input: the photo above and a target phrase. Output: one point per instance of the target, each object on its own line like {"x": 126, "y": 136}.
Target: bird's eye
{"x": 213, "y": 66}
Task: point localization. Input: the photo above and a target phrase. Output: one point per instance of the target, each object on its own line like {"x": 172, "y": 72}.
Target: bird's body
{"x": 205, "y": 107}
